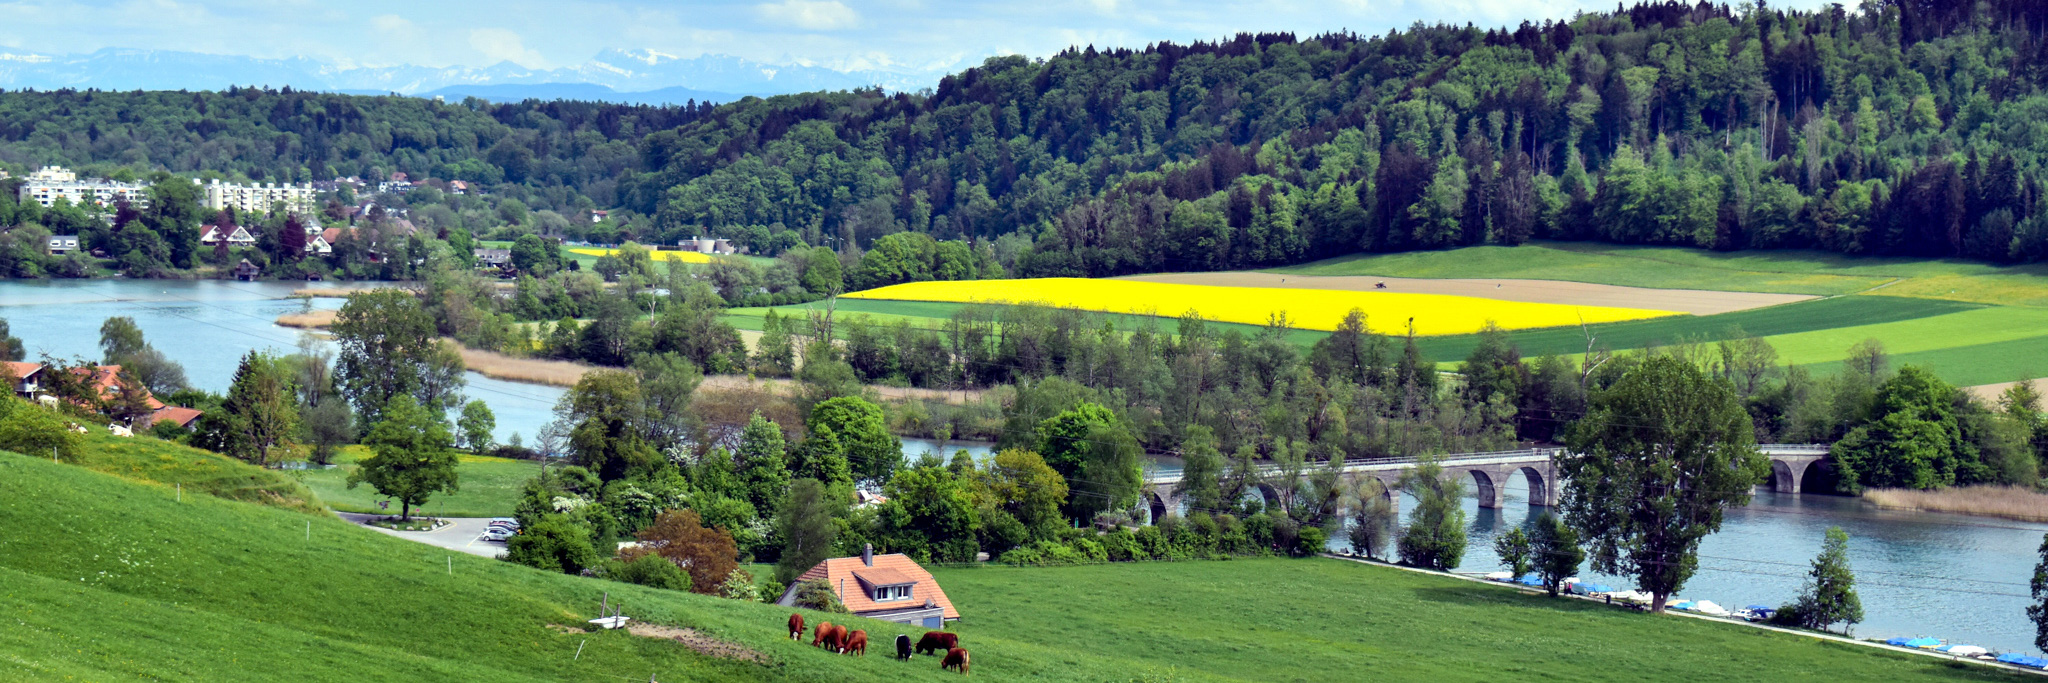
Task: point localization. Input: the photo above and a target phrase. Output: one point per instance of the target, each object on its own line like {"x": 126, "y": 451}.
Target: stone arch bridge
{"x": 1791, "y": 465}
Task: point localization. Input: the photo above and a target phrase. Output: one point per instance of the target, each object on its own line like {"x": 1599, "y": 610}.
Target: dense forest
{"x": 1911, "y": 127}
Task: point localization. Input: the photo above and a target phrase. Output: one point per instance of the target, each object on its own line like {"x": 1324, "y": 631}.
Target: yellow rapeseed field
{"x": 1312, "y": 309}
{"x": 684, "y": 256}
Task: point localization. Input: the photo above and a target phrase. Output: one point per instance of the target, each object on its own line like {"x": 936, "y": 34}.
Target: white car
{"x": 497, "y": 533}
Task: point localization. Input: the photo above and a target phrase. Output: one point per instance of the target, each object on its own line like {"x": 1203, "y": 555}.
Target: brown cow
{"x": 823, "y": 635}
{"x": 937, "y": 641}
{"x": 796, "y": 627}
{"x": 955, "y": 657}
{"x": 856, "y": 643}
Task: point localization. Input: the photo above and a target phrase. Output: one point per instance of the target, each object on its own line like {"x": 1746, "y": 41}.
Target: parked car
{"x": 506, "y": 522}
{"x": 498, "y": 533}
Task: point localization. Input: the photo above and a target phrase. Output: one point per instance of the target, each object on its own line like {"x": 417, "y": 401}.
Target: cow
{"x": 937, "y": 642}
{"x": 822, "y": 635}
{"x": 796, "y": 627}
{"x": 902, "y": 646}
{"x": 856, "y": 644}
{"x": 955, "y": 657}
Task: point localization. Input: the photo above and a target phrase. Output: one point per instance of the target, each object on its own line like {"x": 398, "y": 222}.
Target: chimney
{"x": 867, "y": 554}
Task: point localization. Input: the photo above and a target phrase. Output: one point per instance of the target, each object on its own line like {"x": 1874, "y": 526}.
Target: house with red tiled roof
{"x": 889, "y": 587}
{"x": 24, "y": 375}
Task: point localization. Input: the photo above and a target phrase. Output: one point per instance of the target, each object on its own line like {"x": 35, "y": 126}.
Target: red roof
{"x": 179, "y": 414}
{"x": 845, "y": 574}
{"x": 22, "y": 370}
{"x": 108, "y": 379}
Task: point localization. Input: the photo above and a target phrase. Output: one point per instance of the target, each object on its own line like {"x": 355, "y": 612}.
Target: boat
{"x": 1590, "y": 589}
{"x": 1707, "y": 607}
{"x": 2023, "y": 660}
{"x": 1963, "y": 650}
{"x": 1921, "y": 643}
{"x": 1756, "y": 612}
{"x": 1500, "y": 576}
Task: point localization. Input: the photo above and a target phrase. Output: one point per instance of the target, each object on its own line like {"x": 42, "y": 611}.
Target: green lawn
{"x": 110, "y": 579}
{"x": 489, "y": 486}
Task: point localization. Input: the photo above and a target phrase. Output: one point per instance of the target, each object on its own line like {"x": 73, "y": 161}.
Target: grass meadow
{"x": 121, "y": 580}
{"x": 489, "y": 486}
{"x": 177, "y": 466}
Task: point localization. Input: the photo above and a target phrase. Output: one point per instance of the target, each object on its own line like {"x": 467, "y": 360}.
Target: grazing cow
{"x": 955, "y": 657}
{"x": 796, "y": 627}
{"x": 836, "y": 641}
{"x": 902, "y": 646}
{"x": 937, "y": 641}
{"x": 856, "y": 643}
{"x": 821, "y": 633}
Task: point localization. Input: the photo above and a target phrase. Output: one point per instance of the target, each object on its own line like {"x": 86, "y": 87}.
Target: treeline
{"x": 1900, "y": 128}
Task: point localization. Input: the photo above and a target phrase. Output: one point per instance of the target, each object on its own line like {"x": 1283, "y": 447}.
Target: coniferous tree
{"x": 261, "y": 409}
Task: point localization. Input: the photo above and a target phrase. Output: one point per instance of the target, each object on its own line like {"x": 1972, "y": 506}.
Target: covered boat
{"x": 1963, "y": 650}
{"x": 1914, "y": 642}
{"x": 1500, "y": 576}
{"x": 1707, "y": 607}
{"x": 1590, "y": 588}
{"x": 2023, "y": 660}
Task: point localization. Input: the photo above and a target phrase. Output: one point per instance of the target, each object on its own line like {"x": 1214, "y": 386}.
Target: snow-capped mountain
{"x": 644, "y": 76}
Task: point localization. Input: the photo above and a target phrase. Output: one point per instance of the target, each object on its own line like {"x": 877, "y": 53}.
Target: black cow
{"x": 902, "y": 646}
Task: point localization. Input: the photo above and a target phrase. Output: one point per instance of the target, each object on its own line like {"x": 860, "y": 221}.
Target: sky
{"x": 894, "y": 35}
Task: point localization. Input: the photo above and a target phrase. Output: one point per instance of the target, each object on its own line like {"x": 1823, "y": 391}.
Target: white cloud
{"x": 502, "y": 45}
{"x": 392, "y": 23}
{"x": 813, "y": 15}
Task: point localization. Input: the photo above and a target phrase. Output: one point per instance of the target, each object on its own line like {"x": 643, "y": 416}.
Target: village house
{"x": 63, "y": 244}
{"x": 246, "y": 271}
{"x": 24, "y": 375}
{"x": 492, "y": 258}
{"x": 889, "y": 587}
{"x": 106, "y": 381}
{"x": 237, "y": 237}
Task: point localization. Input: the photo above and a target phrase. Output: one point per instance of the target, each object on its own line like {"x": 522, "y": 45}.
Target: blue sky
{"x": 897, "y": 35}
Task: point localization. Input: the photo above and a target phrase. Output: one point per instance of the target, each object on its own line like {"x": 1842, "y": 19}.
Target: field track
{"x": 1696, "y": 302}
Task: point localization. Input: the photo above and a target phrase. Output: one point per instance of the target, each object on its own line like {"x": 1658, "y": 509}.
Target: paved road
{"x": 464, "y": 535}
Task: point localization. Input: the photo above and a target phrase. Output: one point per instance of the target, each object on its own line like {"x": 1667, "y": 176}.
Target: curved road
{"x": 465, "y": 535}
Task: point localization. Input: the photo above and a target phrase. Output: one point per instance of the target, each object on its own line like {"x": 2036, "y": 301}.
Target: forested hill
{"x": 1915, "y": 127}
{"x": 1903, "y": 127}
{"x": 561, "y": 152}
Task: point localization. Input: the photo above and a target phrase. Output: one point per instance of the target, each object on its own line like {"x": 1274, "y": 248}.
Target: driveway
{"x": 465, "y": 535}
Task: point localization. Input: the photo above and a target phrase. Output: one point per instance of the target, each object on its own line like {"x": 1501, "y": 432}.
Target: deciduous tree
{"x": 1650, "y": 469}
{"x": 414, "y": 457}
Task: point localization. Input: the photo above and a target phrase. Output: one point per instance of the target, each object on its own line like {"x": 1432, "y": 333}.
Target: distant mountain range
{"x": 630, "y": 76}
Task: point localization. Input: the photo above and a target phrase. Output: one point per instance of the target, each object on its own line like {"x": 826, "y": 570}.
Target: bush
{"x": 554, "y": 543}
{"x": 30, "y": 430}
{"x": 1122, "y": 546}
{"x": 817, "y": 594}
{"x": 771, "y": 590}
{"x": 739, "y": 585}
{"x": 1025, "y": 556}
{"x": 1313, "y": 539}
{"x": 649, "y": 570}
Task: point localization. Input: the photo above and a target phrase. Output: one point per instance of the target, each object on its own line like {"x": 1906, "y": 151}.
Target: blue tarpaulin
{"x": 1762, "y": 608}
{"x": 1593, "y": 588}
{"x": 1682, "y": 605}
{"x": 1914, "y": 642}
{"x": 2023, "y": 660}
{"x": 1530, "y": 580}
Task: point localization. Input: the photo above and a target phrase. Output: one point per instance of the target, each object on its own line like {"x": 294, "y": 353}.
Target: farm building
{"x": 887, "y": 587}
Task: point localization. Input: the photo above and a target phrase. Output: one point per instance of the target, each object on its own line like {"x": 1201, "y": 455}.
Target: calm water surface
{"x": 208, "y": 326}
{"x": 1946, "y": 576}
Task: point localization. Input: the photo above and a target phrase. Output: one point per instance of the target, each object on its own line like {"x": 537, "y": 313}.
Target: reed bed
{"x": 333, "y": 292}
{"x": 311, "y": 320}
{"x": 2008, "y": 502}
{"x": 496, "y": 365}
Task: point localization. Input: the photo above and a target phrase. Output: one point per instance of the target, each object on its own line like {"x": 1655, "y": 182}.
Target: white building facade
{"x": 260, "y": 197}
{"x": 52, "y": 183}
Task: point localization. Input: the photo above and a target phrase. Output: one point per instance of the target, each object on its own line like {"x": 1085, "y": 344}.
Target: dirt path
{"x": 1696, "y": 302}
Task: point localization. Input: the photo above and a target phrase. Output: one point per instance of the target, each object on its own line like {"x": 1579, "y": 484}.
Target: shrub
{"x": 33, "y": 431}
{"x": 1025, "y": 556}
{"x": 1313, "y": 539}
{"x": 554, "y": 543}
{"x": 739, "y": 585}
{"x": 817, "y": 594}
{"x": 649, "y": 570}
{"x": 771, "y": 590}
{"x": 1122, "y": 546}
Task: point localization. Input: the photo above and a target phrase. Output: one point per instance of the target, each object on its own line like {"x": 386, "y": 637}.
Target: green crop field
{"x": 110, "y": 579}
{"x": 489, "y": 486}
{"x": 1787, "y": 319}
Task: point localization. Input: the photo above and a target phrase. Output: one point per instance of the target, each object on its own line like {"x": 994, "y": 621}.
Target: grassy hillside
{"x": 173, "y": 465}
{"x": 107, "y": 579}
{"x": 490, "y": 486}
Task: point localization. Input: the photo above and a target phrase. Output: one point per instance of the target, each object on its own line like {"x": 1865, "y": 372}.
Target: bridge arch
{"x": 1487, "y": 486}
{"x": 1783, "y": 478}
{"x": 1541, "y": 488}
{"x": 1156, "y": 505}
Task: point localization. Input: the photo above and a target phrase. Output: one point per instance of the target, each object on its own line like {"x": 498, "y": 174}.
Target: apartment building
{"x": 51, "y": 183}
{"x": 258, "y": 198}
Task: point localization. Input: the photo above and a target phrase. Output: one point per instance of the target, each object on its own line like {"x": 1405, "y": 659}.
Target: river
{"x": 1919, "y": 574}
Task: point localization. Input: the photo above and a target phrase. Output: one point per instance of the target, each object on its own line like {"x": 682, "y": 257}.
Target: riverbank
{"x": 2005, "y": 502}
